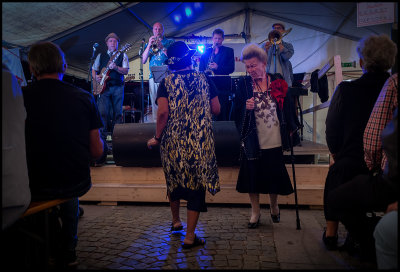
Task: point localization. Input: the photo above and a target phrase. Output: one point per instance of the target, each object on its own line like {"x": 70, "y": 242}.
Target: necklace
{"x": 259, "y": 89}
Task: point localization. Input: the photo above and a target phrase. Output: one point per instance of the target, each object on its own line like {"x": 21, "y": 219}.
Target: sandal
{"x": 196, "y": 242}
{"x": 178, "y": 228}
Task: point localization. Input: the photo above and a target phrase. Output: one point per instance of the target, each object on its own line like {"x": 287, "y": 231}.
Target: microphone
{"x": 141, "y": 46}
{"x": 94, "y": 49}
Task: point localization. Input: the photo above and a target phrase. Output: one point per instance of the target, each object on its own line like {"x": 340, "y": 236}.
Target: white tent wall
{"x": 312, "y": 50}
{"x": 77, "y": 72}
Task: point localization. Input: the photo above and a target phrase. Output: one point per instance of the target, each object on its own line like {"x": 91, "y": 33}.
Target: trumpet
{"x": 154, "y": 45}
{"x": 275, "y": 36}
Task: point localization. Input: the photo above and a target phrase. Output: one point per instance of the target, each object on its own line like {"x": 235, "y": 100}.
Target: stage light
{"x": 188, "y": 12}
{"x": 177, "y": 18}
{"x": 200, "y": 48}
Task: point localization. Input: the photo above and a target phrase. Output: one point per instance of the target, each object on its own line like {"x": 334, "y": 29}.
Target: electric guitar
{"x": 99, "y": 87}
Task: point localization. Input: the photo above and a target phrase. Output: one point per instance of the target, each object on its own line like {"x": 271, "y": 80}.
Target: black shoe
{"x": 330, "y": 241}
{"x": 255, "y": 224}
{"x": 276, "y": 218}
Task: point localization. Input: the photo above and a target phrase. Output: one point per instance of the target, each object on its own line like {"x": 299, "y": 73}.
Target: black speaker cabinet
{"x": 130, "y": 144}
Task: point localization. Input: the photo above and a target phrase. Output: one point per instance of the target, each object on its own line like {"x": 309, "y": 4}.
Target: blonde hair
{"x": 46, "y": 58}
{"x": 377, "y": 52}
{"x": 253, "y": 51}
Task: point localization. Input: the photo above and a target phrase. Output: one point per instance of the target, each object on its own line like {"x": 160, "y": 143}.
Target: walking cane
{"x": 294, "y": 179}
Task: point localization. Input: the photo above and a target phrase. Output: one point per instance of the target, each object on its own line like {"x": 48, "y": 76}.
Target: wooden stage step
{"x": 309, "y": 148}
{"x": 113, "y": 183}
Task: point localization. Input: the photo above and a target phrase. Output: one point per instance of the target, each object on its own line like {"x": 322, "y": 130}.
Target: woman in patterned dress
{"x": 186, "y": 101}
{"x": 264, "y": 120}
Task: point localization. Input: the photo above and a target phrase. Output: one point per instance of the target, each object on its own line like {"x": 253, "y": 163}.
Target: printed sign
{"x": 375, "y": 13}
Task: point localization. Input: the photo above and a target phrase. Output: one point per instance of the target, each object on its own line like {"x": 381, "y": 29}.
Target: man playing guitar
{"x": 110, "y": 100}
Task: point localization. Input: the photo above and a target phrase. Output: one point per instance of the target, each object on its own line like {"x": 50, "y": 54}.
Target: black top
{"x": 59, "y": 118}
{"x": 348, "y": 114}
{"x": 224, "y": 59}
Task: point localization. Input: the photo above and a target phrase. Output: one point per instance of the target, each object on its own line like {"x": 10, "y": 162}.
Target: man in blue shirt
{"x": 156, "y": 59}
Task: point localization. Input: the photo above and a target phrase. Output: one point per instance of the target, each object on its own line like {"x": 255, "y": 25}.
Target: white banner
{"x": 375, "y": 13}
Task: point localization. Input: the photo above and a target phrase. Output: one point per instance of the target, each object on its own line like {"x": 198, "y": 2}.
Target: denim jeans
{"x": 110, "y": 108}
{"x": 69, "y": 214}
{"x": 386, "y": 238}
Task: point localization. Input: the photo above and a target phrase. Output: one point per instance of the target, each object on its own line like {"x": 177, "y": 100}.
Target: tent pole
{"x": 141, "y": 78}
{"x": 247, "y": 37}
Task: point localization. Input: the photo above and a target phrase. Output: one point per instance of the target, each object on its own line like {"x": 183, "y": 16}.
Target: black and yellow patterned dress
{"x": 187, "y": 145}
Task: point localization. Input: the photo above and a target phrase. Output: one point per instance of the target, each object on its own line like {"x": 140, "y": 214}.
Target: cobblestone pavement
{"x": 139, "y": 237}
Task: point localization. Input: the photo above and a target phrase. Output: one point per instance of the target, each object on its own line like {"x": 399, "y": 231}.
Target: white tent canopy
{"x": 320, "y": 30}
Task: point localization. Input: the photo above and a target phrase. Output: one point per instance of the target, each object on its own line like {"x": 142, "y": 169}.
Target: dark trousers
{"x": 339, "y": 173}
{"x": 351, "y": 201}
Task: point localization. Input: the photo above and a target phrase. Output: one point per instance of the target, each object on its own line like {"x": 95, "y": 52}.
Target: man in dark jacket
{"x": 62, "y": 135}
{"x": 219, "y": 60}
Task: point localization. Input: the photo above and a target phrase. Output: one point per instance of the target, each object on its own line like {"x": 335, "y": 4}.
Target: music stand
{"x": 159, "y": 72}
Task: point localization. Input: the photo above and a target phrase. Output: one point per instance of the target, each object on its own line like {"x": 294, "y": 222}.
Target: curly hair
{"x": 46, "y": 58}
{"x": 377, "y": 52}
{"x": 252, "y": 50}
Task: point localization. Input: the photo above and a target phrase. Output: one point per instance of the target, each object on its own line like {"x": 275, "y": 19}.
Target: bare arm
{"x": 146, "y": 51}
{"x": 124, "y": 68}
{"x": 95, "y": 77}
{"x": 121, "y": 70}
{"x": 162, "y": 115}
{"x": 95, "y": 144}
{"x": 215, "y": 106}
{"x": 162, "y": 118}
{"x": 95, "y": 68}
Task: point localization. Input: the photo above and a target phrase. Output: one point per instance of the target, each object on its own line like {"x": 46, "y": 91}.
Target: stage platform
{"x": 112, "y": 184}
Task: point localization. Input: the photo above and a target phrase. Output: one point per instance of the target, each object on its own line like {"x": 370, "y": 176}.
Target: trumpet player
{"x": 156, "y": 52}
{"x": 279, "y": 54}
{"x": 219, "y": 60}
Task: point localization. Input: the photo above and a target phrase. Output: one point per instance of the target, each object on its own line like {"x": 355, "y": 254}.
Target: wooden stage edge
{"x": 113, "y": 183}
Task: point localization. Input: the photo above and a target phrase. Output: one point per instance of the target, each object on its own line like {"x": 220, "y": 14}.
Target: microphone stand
{"x": 141, "y": 78}
{"x": 275, "y": 53}
{"x": 90, "y": 69}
